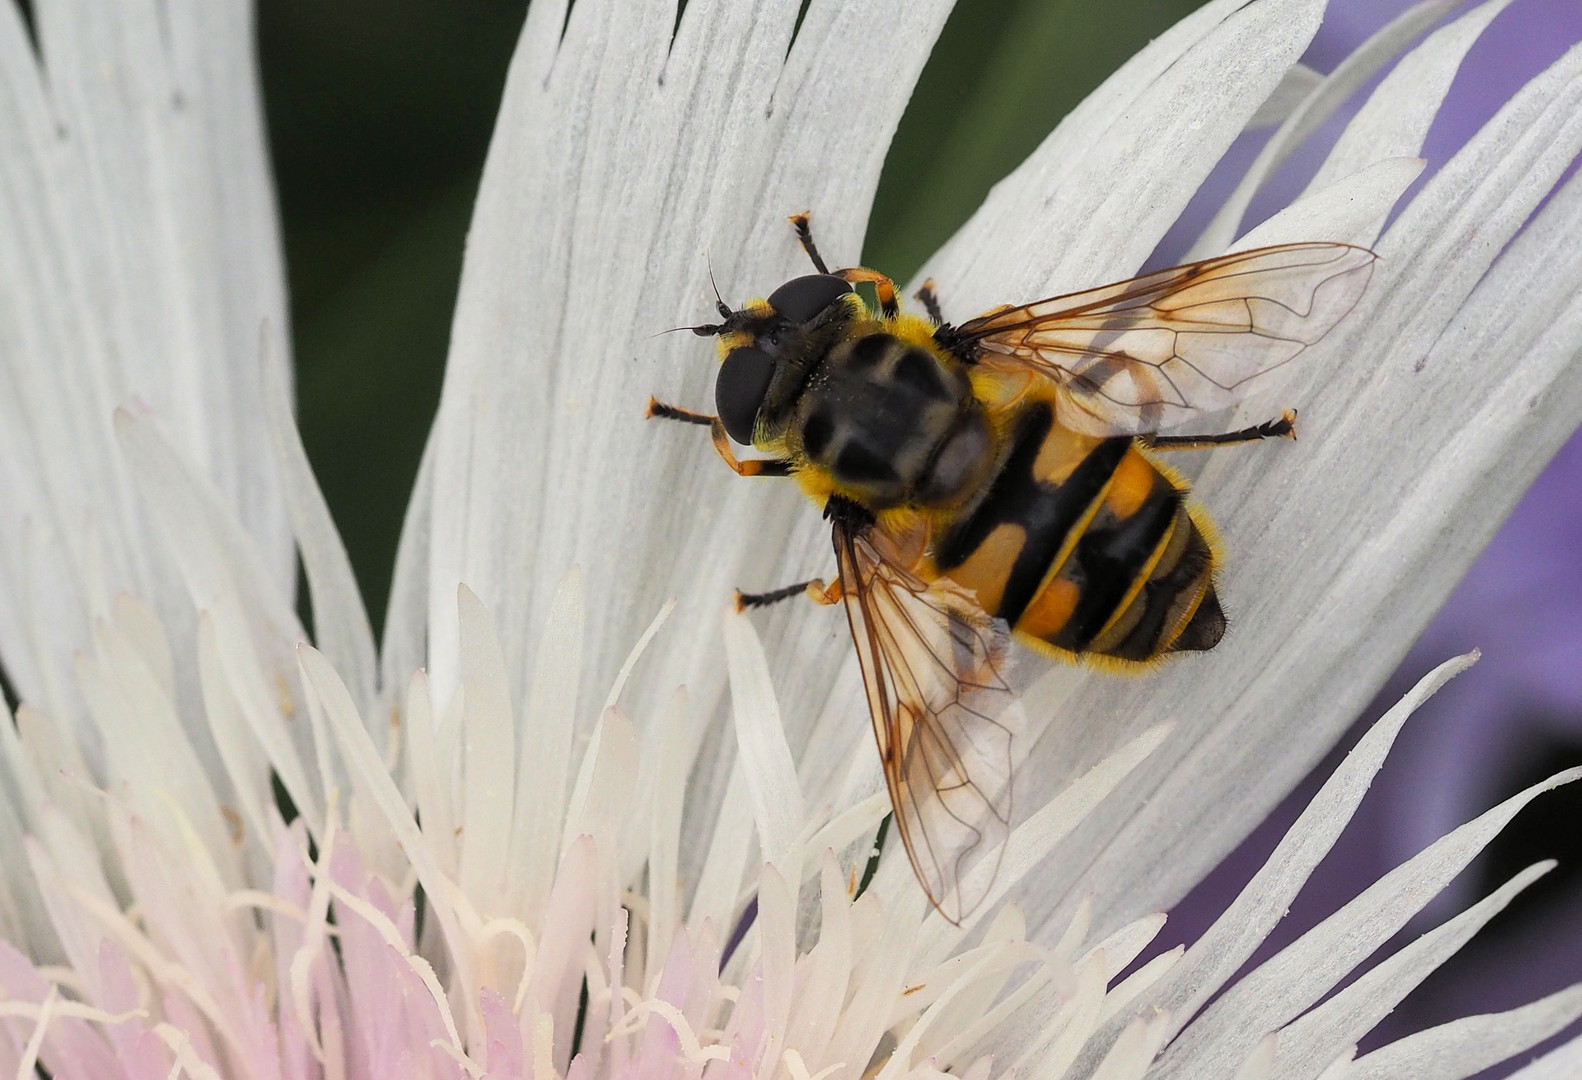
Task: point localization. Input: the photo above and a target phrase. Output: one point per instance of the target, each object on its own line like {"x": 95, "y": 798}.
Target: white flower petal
{"x": 1031, "y": 842}
{"x": 760, "y": 742}
{"x": 1349, "y": 211}
{"x": 1559, "y": 1064}
{"x": 1225, "y": 946}
{"x": 373, "y": 781}
{"x": 1094, "y": 199}
{"x": 225, "y": 578}
{"x": 489, "y": 759}
{"x": 1299, "y": 82}
{"x": 1396, "y": 117}
{"x": 1358, "y": 67}
{"x": 1464, "y": 1047}
{"x": 141, "y": 256}
{"x": 431, "y": 777}
{"x": 1307, "y": 969}
{"x": 1311, "y": 1042}
{"x": 544, "y": 772}
{"x": 403, "y": 646}
{"x": 715, "y": 899}
{"x": 664, "y": 838}
{"x": 340, "y": 622}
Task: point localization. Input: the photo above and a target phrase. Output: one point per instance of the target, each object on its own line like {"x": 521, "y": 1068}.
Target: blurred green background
{"x": 379, "y": 117}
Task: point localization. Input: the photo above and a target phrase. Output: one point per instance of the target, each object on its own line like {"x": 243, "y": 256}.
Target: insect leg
{"x": 930, "y": 301}
{"x": 1283, "y": 428}
{"x": 814, "y": 590}
{"x": 804, "y": 235}
{"x": 882, "y": 285}
{"x": 722, "y": 442}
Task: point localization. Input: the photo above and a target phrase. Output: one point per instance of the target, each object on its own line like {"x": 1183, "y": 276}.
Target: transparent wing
{"x": 1152, "y": 352}
{"x": 932, "y": 662}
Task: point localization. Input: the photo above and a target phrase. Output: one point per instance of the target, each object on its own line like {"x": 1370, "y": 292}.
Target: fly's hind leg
{"x": 1283, "y": 428}
{"x": 722, "y": 442}
{"x": 814, "y": 590}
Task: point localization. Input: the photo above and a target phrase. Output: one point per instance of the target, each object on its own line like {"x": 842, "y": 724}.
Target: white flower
{"x": 490, "y": 876}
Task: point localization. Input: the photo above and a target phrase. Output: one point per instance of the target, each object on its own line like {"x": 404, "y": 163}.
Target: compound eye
{"x": 802, "y": 299}
{"x": 740, "y": 388}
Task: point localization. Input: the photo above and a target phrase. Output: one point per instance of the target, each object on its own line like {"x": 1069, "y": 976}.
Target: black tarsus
{"x": 1283, "y": 428}
{"x": 658, "y": 410}
{"x": 930, "y": 301}
{"x": 774, "y": 596}
{"x": 804, "y": 235}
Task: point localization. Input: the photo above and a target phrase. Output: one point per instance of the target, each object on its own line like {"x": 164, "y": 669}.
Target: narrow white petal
{"x": 775, "y": 929}
{"x": 544, "y": 771}
{"x": 404, "y": 644}
{"x": 1310, "y": 967}
{"x": 224, "y": 576}
{"x": 146, "y": 749}
{"x": 489, "y": 759}
{"x": 140, "y": 627}
{"x": 1562, "y": 1063}
{"x": 1310, "y": 1043}
{"x": 1226, "y": 945}
{"x": 1358, "y": 67}
{"x": 1349, "y": 211}
{"x": 373, "y": 780}
{"x": 141, "y": 255}
{"x": 714, "y": 900}
{"x": 340, "y": 622}
{"x": 610, "y": 767}
{"x": 760, "y": 742}
{"x": 1260, "y": 1063}
{"x": 1468, "y": 1046}
{"x": 1136, "y": 984}
{"x": 240, "y": 756}
{"x": 1123, "y": 946}
{"x": 431, "y": 776}
{"x": 1396, "y": 117}
{"x": 1128, "y": 1059}
{"x": 878, "y": 982}
{"x": 1299, "y": 82}
{"x": 822, "y": 996}
{"x": 664, "y": 837}
{"x": 1093, "y": 201}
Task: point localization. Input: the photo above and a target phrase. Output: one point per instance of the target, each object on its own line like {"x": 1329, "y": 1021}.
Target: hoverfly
{"x": 1003, "y": 477}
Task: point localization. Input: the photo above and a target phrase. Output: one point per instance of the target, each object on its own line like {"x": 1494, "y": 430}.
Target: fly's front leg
{"x": 930, "y": 301}
{"x": 804, "y": 236}
{"x": 814, "y": 590}
{"x": 882, "y": 285}
{"x": 722, "y": 442}
{"x": 1283, "y": 428}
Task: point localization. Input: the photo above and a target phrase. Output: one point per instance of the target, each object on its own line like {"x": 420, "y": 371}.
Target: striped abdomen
{"x": 1084, "y": 545}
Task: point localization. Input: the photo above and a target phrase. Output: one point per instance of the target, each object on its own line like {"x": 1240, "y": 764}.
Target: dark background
{"x": 379, "y": 117}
